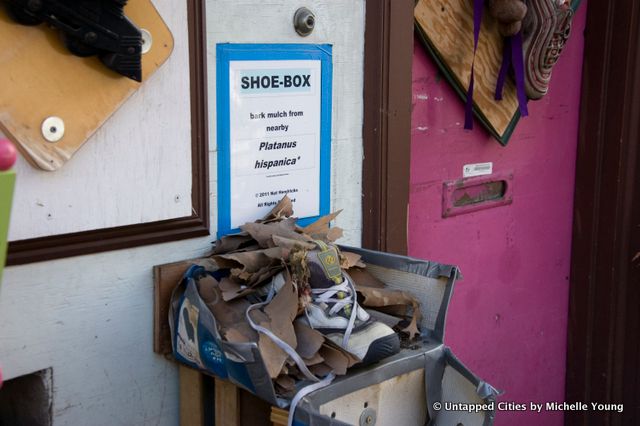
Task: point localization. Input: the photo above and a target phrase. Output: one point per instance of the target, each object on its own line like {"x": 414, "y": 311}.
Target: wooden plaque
{"x": 41, "y": 78}
{"x": 446, "y": 27}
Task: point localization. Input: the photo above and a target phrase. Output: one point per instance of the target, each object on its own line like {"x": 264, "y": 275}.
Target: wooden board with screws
{"x": 447, "y": 29}
{"x": 48, "y": 93}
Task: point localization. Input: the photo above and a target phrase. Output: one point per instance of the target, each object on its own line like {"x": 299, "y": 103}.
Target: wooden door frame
{"x": 603, "y": 343}
{"x": 387, "y": 124}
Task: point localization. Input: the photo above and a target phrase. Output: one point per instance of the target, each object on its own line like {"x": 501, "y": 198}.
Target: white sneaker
{"x": 335, "y": 312}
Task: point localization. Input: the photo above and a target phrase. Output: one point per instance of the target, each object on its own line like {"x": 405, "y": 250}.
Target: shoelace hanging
{"x": 280, "y": 343}
{"x": 325, "y": 295}
{"x": 318, "y": 383}
{"x": 512, "y": 56}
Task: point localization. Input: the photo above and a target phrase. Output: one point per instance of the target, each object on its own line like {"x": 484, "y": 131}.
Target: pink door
{"x": 508, "y": 316}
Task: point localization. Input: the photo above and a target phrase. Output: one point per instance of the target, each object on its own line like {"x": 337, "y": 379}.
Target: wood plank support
{"x": 279, "y": 417}
{"x": 191, "y": 401}
{"x": 227, "y": 403}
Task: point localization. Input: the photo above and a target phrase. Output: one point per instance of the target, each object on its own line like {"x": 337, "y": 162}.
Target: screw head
{"x": 53, "y": 129}
{"x": 90, "y": 37}
{"x": 367, "y": 417}
{"x": 147, "y": 41}
{"x": 304, "y": 21}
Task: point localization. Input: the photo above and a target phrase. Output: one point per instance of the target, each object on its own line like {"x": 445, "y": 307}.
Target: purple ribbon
{"x": 512, "y": 56}
{"x": 478, "y": 7}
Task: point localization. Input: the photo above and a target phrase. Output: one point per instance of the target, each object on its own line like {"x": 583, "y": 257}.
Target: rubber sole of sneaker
{"x": 361, "y": 340}
{"x": 382, "y": 348}
{"x": 546, "y": 29}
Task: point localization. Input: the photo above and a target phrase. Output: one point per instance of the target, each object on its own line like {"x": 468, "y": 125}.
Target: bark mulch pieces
{"x": 276, "y": 244}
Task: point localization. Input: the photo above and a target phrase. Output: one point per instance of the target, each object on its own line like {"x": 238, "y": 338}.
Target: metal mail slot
{"x": 476, "y": 193}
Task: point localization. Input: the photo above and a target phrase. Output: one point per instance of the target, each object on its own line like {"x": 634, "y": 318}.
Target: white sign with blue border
{"x": 274, "y": 130}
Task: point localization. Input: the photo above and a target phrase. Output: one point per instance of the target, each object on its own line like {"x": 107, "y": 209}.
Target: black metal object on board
{"x": 88, "y": 27}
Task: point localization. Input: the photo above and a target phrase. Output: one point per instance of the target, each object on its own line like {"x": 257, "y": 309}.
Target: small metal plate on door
{"x": 476, "y": 193}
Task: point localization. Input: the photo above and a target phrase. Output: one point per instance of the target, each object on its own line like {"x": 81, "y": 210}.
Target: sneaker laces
{"x": 280, "y": 343}
{"x": 316, "y": 382}
{"x": 342, "y": 296}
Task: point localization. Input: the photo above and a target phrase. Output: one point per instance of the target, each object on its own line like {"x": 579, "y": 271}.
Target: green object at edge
{"x": 7, "y": 182}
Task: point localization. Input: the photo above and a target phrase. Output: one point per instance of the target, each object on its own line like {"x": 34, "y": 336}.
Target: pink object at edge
{"x": 8, "y": 155}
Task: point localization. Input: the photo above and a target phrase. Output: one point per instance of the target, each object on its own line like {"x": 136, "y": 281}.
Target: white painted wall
{"x": 339, "y": 22}
{"x": 91, "y": 317}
